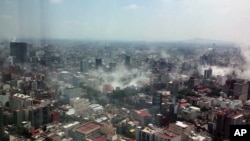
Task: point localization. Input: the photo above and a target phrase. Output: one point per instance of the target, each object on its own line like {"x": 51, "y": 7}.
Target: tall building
{"x": 127, "y": 60}
{"x": 138, "y": 133}
{"x": 221, "y": 121}
{"x": 174, "y": 87}
{"x": 160, "y": 120}
{"x": 1, "y": 122}
{"x": 35, "y": 115}
{"x": 112, "y": 66}
{"x": 192, "y": 82}
{"x": 143, "y": 116}
{"x": 240, "y": 91}
{"x": 98, "y": 63}
{"x": 208, "y": 73}
{"x": 233, "y": 119}
{"x": 19, "y": 50}
{"x": 3, "y": 136}
{"x": 84, "y": 66}
{"x": 157, "y": 100}
{"x": 46, "y": 114}
{"x": 18, "y": 101}
{"x": 227, "y": 117}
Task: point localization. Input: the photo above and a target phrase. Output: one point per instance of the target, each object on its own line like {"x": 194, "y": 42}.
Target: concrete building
{"x": 20, "y": 101}
{"x": 152, "y": 133}
{"x": 1, "y": 122}
{"x": 4, "y": 98}
{"x": 127, "y": 60}
{"x": 142, "y": 116}
{"x": 190, "y": 113}
{"x": 161, "y": 121}
{"x": 79, "y": 104}
{"x": 157, "y": 101}
{"x": 96, "y": 108}
{"x": 164, "y": 77}
{"x": 147, "y": 134}
{"x": 98, "y": 63}
{"x": 204, "y": 102}
{"x": 72, "y": 92}
{"x": 53, "y": 137}
{"x": 192, "y": 82}
{"x": 112, "y": 66}
{"x": 18, "y": 116}
{"x": 227, "y": 117}
{"x": 233, "y": 119}
{"x": 240, "y": 91}
{"x": 19, "y": 51}
{"x": 84, "y": 66}
{"x": 174, "y": 87}
{"x": 35, "y": 115}
{"x": 246, "y": 105}
{"x": 232, "y": 104}
{"x": 68, "y": 128}
{"x": 83, "y": 132}
{"x": 167, "y": 136}
{"x": 181, "y": 128}
{"x": 197, "y": 137}
{"x": 207, "y": 73}
{"x": 112, "y": 137}
{"x": 221, "y": 80}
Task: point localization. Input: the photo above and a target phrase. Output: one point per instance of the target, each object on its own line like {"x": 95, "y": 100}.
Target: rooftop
{"x": 71, "y": 124}
{"x": 21, "y": 96}
{"x": 181, "y": 124}
{"x": 98, "y": 138}
{"x": 88, "y": 127}
{"x": 235, "y": 115}
{"x": 143, "y": 113}
{"x": 167, "y": 135}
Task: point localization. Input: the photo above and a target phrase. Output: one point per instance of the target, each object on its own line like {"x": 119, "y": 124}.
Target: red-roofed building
{"x": 84, "y": 131}
{"x": 55, "y": 116}
{"x": 97, "y": 138}
{"x": 53, "y": 137}
{"x": 142, "y": 116}
{"x": 167, "y": 136}
{"x": 154, "y": 133}
{"x": 181, "y": 128}
{"x": 228, "y": 117}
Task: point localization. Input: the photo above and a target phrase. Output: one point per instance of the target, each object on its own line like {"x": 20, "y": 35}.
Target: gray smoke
{"x": 122, "y": 77}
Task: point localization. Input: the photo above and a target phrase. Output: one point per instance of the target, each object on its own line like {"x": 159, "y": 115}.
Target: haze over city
{"x": 159, "y": 20}
{"x": 124, "y": 70}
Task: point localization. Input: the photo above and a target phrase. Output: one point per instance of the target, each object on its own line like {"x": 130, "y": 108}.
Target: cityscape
{"x": 120, "y": 86}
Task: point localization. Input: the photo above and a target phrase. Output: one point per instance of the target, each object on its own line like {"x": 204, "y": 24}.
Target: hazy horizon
{"x": 133, "y": 20}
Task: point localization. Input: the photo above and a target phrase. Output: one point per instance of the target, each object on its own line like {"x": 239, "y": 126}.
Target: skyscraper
{"x": 98, "y": 63}
{"x": 240, "y": 90}
{"x": 19, "y": 50}
{"x": 127, "y": 60}
{"x": 207, "y": 73}
{"x": 157, "y": 100}
{"x": 84, "y": 66}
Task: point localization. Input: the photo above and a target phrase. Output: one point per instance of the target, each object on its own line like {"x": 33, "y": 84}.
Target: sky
{"x": 150, "y": 20}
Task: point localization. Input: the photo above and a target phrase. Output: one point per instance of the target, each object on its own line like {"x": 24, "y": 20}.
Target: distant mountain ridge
{"x": 206, "y": 41}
